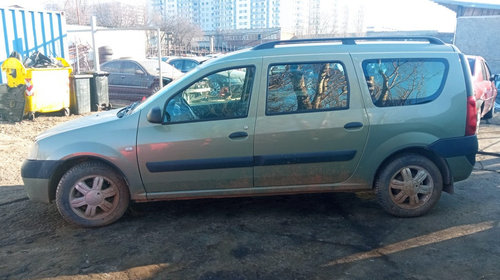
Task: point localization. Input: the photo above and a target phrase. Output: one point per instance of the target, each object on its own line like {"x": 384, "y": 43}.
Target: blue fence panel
{"x": 26, "y": 31}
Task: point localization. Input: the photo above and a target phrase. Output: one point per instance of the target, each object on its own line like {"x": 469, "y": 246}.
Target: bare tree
{"x": 398, "y": 83}
{"x": 108, "y": 14}
{"x": 315, "y": 86}
{"x": 76, "y": 11}
{"x": 116, "y": 14}
{"x": 182, "y": 32}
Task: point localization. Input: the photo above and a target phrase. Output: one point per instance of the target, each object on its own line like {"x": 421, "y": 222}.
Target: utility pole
{"x": 93, "y": 27}
{"x": 77, "y": 11}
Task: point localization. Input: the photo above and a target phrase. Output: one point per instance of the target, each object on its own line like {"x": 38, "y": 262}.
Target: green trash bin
{"x": 12, "y": 102}
{"x": 99, "y": 91}
{"x": 80, "y": 93}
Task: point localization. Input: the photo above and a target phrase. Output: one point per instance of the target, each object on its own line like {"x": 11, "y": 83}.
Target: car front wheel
{"x": 92, "y": 194}
{"x": 409, "y": 186}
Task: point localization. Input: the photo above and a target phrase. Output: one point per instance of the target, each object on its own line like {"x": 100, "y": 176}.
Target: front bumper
{"x": 36, "y": 176}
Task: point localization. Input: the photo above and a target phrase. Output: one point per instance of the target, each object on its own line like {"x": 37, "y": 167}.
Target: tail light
{"x": 471, "y": 121}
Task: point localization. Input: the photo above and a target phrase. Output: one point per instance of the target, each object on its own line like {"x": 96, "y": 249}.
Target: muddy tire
{"x": 409, "y": 186}
{"x": 92, "y": 194}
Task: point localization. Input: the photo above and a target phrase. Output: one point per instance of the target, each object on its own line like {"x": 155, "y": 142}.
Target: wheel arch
{"x": 440, "y": 162}
{"x": 70, "y": 163}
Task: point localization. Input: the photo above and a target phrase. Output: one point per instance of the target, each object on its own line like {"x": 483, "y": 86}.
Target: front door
{"x": 206, "y": 140}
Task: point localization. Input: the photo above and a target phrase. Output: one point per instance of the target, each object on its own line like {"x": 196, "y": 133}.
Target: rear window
{"x": 401, "y": 82}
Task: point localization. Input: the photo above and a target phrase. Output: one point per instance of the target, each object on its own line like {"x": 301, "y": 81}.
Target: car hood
{"x": 170, "y": 73}
{"x": 98, "y": 118}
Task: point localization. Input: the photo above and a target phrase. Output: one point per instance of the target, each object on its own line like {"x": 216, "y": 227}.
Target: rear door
{"x": 114, "y": 78}
{"x": 311, "y": 126}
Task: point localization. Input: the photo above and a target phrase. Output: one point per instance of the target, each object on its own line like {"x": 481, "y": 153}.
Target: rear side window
{"x": 401, "y": 82}
{"x": 308, "y": 87}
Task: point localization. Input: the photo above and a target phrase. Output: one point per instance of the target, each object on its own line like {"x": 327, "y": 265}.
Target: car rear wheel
{"x": 409, "y": 186}
{"x": 92, "y": 194}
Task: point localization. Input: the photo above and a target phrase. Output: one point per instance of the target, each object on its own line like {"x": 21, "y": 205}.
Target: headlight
{"x": 33, "y": 153}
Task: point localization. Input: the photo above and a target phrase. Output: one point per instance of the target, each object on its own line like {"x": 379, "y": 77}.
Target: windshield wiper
{"x": 127, "y": 109}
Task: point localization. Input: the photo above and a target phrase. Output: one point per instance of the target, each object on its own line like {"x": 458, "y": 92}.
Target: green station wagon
{"x": 393, "y": 115}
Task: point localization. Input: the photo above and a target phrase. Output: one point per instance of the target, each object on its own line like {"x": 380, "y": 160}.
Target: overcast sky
{"x": 409, "y": 15}
{"x": 380, "y": 14}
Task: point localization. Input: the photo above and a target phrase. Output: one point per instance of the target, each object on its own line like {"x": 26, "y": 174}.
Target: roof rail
{"x": 349, "y": 41}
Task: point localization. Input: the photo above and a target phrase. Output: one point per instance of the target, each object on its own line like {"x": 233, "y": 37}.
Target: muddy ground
{"x": 328, "y": 236}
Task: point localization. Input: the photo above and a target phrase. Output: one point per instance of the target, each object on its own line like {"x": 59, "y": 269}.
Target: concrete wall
{"x": 124, "y": 43}
{"x": 480, "y": 36}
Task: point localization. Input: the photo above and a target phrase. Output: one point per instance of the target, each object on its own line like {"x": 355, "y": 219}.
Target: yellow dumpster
{"x": 47, "y": 89}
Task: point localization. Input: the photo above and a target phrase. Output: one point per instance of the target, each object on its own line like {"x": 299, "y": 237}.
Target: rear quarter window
{"x": 402, "y": 82}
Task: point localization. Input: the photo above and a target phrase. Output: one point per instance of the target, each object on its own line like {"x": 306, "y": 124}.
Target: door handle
{"x": 239, "y": 134}
{"x": 353, "y": 125}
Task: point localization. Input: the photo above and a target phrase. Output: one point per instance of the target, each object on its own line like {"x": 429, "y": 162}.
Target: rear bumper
{"x": 459, "y": 153}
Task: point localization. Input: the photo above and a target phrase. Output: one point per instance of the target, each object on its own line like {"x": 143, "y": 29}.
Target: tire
{"x": 490, "y": 113}
{"x": 65, "y": 112}
{"x": 31, "y": 116}
{"x": 92, "y": 194}
{"x": 409, "y": 186}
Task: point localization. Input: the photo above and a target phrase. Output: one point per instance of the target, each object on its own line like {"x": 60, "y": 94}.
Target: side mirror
{"x": 155, "y": 115}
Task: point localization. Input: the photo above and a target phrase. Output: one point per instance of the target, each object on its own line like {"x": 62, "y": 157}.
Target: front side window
{"x": 221, "y": 95}
{"x": 307, "y": 87}
{"x": 401, "y": 82}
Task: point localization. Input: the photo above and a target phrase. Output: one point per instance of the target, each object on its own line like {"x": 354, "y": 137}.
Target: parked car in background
{"x": 485, "y": 90}
{"x": 186, "y": 64}
{"x": 131, "y": 80}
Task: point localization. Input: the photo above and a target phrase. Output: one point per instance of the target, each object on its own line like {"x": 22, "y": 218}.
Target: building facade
{"x": 213, "y": 15}
{"x": 235, "y": 24}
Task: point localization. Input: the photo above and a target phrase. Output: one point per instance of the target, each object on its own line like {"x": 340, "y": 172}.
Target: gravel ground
{"x": 15, "y": 141}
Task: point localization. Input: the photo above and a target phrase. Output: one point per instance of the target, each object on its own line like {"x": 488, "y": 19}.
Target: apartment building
{"x": 296, "y": 17}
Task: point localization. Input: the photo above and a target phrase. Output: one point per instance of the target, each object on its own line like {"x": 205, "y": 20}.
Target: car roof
{"x": 148, "y": 64}
{"x": 342, "y": 45}
{"x": 198, "y": 59}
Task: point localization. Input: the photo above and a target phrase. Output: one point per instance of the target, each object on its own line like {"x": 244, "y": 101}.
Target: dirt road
{"x": 329, "y": 236}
